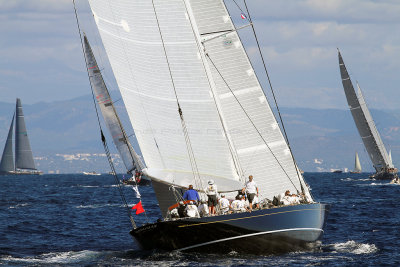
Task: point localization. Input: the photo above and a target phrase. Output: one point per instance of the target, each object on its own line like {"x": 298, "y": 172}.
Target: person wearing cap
{"x": 251, "y": 190}
{"x": 191, "y": 194}
{"x": 212, "y": 194}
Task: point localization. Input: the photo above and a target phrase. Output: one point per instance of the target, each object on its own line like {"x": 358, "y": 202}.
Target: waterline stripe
{"x": 248, "y": 235}
{"x": 235, "y": 219}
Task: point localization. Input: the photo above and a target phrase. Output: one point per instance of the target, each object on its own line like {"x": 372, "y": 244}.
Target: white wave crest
{"x": 355, "y": 248}
{"x": 60, "y": 257}
{"x": 97, "y": 206}
{"x": 347, "y": 179}
{"x": 18, "y": 205}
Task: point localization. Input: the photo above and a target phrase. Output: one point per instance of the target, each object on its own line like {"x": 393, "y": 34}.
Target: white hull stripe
{"x": 254, "y": 234}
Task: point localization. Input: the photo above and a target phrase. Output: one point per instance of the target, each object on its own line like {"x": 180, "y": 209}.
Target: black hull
{"x": 142, "y": 181}
{"x": 384, "y": 176}
{"x": 267, "y": 231}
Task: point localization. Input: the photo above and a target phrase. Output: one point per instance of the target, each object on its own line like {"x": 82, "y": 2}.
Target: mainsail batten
{"x": 364, "y": 122}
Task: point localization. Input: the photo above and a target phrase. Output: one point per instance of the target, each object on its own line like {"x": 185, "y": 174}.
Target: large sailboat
{"x": 357, "y": 165}
{"x": 200, "y": 116}
{"x": 366, "y": 128}
{"x": 24, "y": 163}
{"x": 130, "y": 158}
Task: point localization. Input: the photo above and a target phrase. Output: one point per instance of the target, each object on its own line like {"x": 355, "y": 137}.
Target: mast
{"x": 129, "y": 156}
{"x": 7, "y": 160}
{"x": 364, "y": 122}
{"x": 23, "y": 151}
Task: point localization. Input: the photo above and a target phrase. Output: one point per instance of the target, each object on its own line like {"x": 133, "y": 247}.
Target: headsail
{"x": 129, "y": 156}
{"x": 364, "y": 122}
{"x": 23, "y": 151}
{"x": 7, "y": 160}
{"x": 162, "y": 53}
{"x": 357, "y": 164}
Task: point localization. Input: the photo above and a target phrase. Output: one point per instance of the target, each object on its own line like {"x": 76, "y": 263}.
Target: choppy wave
{"x": 18, "y": 205}
{"x": 354, "y": 247}
{"x": 85, "y": 186}
{"x": 98, "y": 206}
{"x": 70, "y": 257}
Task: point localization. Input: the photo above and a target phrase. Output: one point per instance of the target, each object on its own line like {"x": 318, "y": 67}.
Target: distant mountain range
{"x": 320, "y": 139}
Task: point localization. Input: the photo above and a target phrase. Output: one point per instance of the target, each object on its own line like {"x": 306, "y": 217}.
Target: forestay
{"x": 364, "y": 122}
{"x": 225, "y": 144}
{"x": 129, "y": 157}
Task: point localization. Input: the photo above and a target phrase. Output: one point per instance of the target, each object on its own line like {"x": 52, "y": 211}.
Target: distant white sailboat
{"x": 357, "y": 165}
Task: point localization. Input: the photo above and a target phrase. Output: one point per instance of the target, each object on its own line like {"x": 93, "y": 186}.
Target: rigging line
{"x": 138, "y": 89}
{"x": 230, "y": 144}
{"x": 98, "y": 120}
{"x": 187, "y": 139}
{"x": 251, "y": 121}
{"x": 273, "y": 94}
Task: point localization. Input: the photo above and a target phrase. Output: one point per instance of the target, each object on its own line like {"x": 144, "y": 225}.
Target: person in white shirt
{"x": 224, "y": 204}
{"x": 251, "y": 190}
{"x": 203, "y": 209}
{"x": 238, "y": 205}
{"x": 191, "y": 210}
{"x": 212, "y": 194}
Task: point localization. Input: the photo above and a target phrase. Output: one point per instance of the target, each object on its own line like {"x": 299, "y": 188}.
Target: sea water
{"x": 80, "y": 220}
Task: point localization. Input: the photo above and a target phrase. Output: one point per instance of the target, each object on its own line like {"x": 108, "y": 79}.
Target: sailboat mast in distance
{"x": 366, "y": 127}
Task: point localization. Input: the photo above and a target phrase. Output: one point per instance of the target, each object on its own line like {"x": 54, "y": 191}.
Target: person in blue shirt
{"x": 191, "y": 194}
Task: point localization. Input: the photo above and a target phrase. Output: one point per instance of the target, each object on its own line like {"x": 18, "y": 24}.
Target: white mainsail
{"x": 168, "y": 52}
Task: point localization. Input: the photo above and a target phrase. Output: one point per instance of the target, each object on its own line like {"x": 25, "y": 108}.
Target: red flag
{"x": 138, "y": 207}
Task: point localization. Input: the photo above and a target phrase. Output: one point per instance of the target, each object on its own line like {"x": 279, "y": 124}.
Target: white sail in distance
{"x": 129, "y": 157}
{"x": 357, "y": 164}
{"x": 168, "y": 52}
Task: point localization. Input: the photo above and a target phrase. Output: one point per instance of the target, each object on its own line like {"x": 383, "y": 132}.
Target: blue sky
{"x": 41, "y": 58}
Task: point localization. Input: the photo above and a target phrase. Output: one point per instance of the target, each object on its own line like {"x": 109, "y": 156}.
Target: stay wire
{"x": 101, "y": 131}
{"x": 273, "y": 94}
{"x": 251, "y": 121}
{"x": 201, "y": 47}
{"x": 189, "y": 147}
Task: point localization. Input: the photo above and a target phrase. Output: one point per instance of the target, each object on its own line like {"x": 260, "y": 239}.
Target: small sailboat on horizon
{"x": 370, "y": 136}
{"x": 24, "y": 163}
{"x": 357, "y": 165}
